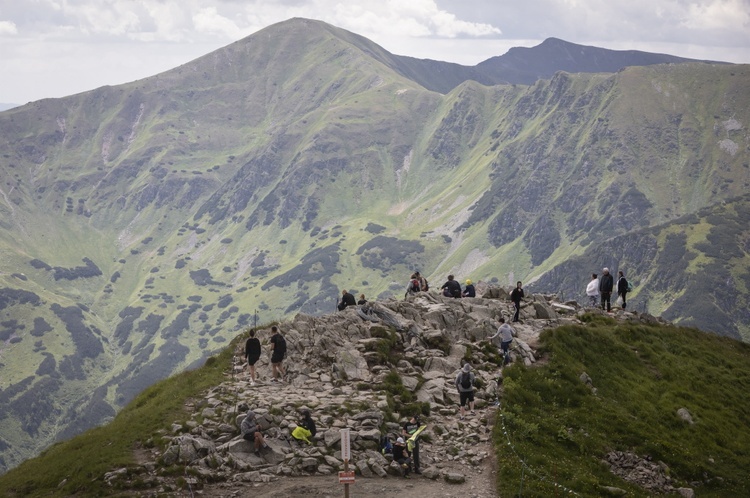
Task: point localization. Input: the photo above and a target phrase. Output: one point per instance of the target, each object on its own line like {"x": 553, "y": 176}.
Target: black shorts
{"x": 252, "y": 360}
{"x": 466, "y": 396}
{"x": 277, "y": 358}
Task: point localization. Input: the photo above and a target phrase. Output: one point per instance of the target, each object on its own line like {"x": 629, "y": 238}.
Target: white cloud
{"x": 57, "y": 47}
{"x": 8, "y": 28}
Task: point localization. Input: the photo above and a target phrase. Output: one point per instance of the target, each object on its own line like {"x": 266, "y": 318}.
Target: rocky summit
{"x": 367, "y": 368}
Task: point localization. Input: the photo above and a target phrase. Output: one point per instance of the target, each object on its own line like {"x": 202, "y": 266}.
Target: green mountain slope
{"x": 142, "y": 226}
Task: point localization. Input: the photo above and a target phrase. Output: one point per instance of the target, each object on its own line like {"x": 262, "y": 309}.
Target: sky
{"x": 54, "y": 48}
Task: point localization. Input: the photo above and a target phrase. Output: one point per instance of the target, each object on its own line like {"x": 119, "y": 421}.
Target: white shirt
{"x": 592, "y": 289}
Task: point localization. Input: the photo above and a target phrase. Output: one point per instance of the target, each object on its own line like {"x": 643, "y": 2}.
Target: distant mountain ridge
{"x": 143, "y": 226}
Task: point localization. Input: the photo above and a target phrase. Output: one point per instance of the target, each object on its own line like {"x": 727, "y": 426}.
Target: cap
{"x": 467, "y": 367}
{"x": 605, "y": 270}
{"x": 400, "y": 440}
{"x": 468, "y": 282}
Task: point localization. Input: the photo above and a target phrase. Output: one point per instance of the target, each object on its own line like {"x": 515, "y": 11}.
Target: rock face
{"x": 367, "y": 370}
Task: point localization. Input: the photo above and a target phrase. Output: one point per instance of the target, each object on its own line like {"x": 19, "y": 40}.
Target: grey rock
{"x": 685, "y": 415}
{"x": 454, "y": 478}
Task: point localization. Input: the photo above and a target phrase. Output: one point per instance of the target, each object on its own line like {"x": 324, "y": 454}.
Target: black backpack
{"x": 280, "y": 347}
{"x": 466, "y": 380}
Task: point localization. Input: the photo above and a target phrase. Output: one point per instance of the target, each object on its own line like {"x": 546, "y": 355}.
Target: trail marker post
{"x": 346, "y": 477}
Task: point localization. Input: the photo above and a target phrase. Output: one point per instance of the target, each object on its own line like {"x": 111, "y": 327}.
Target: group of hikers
{"x": 599, "y": 290}
{"x": 405, "y": 449}
{"x": 251, "y": 430}
{"x": 278, "y": 352}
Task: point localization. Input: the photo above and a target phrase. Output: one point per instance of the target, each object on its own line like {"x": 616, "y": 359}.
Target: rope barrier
{"x": 525, "y": 467}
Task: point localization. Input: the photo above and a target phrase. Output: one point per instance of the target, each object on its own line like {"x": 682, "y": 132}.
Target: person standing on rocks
{"x": 409, "y": 429}
{"x": 506, "y": 333}
{"x": 278, "y": 351}
{"x": 346, "y": 300}
{"x": 465, "y": 385}
{"x": 469, "y": 290}
{"x": 251, "y": 432}
{"x": 451, "y": 288}
{"x": 606, "y": 283}
{"x": 516, "y": 295}
{"x": 401, "y": 456}
{"x": 622, "y": 288}
{"x": 592, "y": 290}
{"x": 252, "y": 354}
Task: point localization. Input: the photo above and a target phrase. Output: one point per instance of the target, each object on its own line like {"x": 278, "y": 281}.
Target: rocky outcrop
{"x": 367, "y": 369}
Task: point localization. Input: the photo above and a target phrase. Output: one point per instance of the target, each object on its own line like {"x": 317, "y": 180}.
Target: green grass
{"x": 553, "y": 430}
{"x": 82, "y": 461}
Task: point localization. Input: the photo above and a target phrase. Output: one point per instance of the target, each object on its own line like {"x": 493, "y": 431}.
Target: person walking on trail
{"x": 278, "y": 351}
{"x": 606, "y": 283}
{"x": 306, "y": 428}
{"x": 622, "y": 288}
{"x": 505, "y": 332}
{"x": 251, "y": 432}
{"x": 592, "y": 290}
{"x": 451, "y": 288}
{"x": 469, "y": 290}
{"x": 346, "y": 300}
{"x": 252, "y": 354}
{"x": 465, "y": 385}
{"x": 401, "y": 455}
{"x": 516, "y": 295}
{"x": 411, "y": 427}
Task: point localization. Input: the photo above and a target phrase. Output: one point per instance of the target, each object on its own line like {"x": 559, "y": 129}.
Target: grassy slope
{"x": 75, "y": 467}
{"x": 643, "y": 375}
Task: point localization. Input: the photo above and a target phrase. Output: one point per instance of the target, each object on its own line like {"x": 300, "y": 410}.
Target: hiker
{"x": 417, "y": 283}
{"x": 423, "y": 285}
{"x": 516, "y": 295}
{"x": 606, "y": 283}
{"x": 401, "y": 456}
{"x": 451, "y": 288}
{"x": 251, "y": 432}
{"x": 622, "y": 288}
{"x": 469, "y": 290}
{"x": 506, "y": 333}
{"x": 278, "y": 351}
{"x": 465, "y": 385}
{"x": 410, "y": 428}
{"x": 592, "y": 290}
{"x": 346, "y": 300}
{"x": 306, "y": 428}
{"x": 252, "y": 354}
{"x": 362, "y": 300}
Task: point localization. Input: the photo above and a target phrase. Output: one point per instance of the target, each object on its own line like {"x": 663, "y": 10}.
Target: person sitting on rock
{"x": 469, "y": 290}
{"x": 362, "y": 300}
{"x": 251, "y": 432}
{"x": 346, "y": 300}
{"x": 451, "y": 288}
{"x": 306, "y": 428}
{"x": 401, "y": 456}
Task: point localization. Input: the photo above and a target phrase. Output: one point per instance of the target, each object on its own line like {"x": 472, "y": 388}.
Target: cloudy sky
{"x": 53, "y": 48}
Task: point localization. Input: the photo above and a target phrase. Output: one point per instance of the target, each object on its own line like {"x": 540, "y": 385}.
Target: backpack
{"x": 280, "y": 345}
{"x": 466, "y": 380}
{"x": 426, "y": 285}
{"x": 630, "y": 286}
{"x": 386, "y": 447}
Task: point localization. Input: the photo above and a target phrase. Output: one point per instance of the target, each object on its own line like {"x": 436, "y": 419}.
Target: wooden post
{"x": 346, "y": 486}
